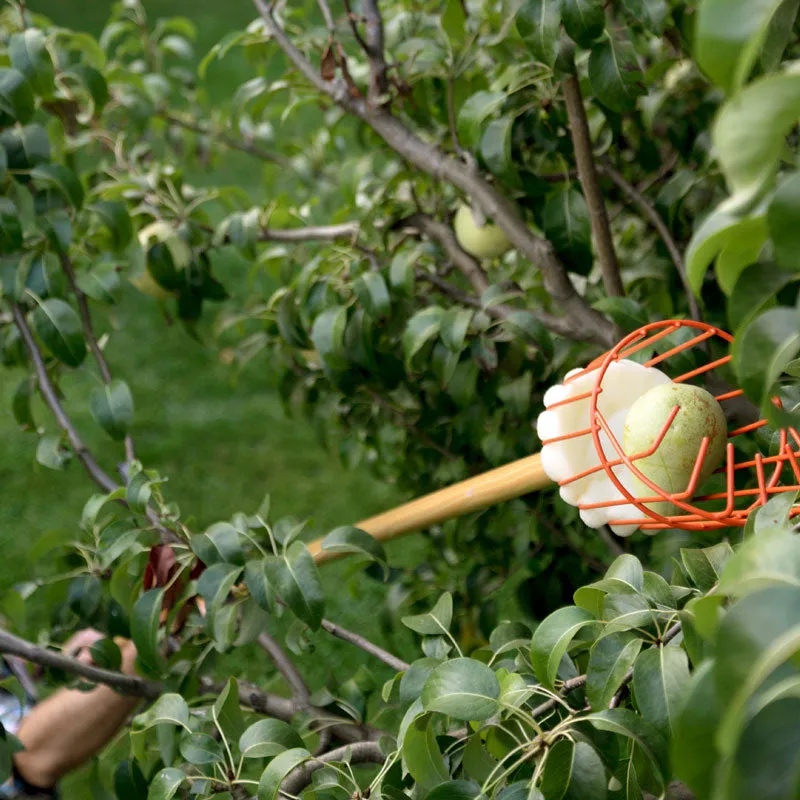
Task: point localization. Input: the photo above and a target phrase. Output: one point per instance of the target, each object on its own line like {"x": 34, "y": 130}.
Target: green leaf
{"x": 200, "y": 748}
{"x": 25, "y": 147}
{"x": 705, "y": 566}
{"x": 138, "y": 492}
{"x": 475, "y": 111}
{"x": 557, "y": 769}
{"x": 296, "y": 580}
{"x": 462, "y": 688}
{"x": 215, "y": 584}
{"x": 454, "y": 790}
{"x": 754, "y": 640}
{"x": 755, "y": 290}
{"x": 220, "y": 544}
{"x": 348, "y": 539}
{"x": 327, "y": 333}
{"x": 21, "y": 405}
{"x": 267, "y": 738}
{"x": 749, "y": 134}
{"x": 10, "y": 229}
{"x": 421, "y": 754}
{"x": 778, "y": 34}
{"x": 763, "y": 349}
{"x": 609, "y": 661}
{"x": 226, "y": 712}
{"x": 114, "y": 215}
{"x": 401, "y": 270}
{"x": 59, "y": 328}
{"x": 694, "y": 754}
{"x": 624, "y": 311}
{"x": 782, "y": 216}
{"x": 454, "y": 22}
{"x": 63, "y": 179}
{"x": 170, "y": 709}
{"x": 552, "y": 639}
{"x": 615, "y": 76}
{"x": 129, "y": 782}
{"x": 112, "y": 408}
{"x": 565, "y": 221}
{"x": 17, "y": 103}
{"x": 728, "y": 37}
{"x": 589, "y": 779}
{"x": 278, "y": 769}
{"x": 373, "y": 294}
{"x": 102, "y": 283}
{"x": 255, "y": 578}
{"x": 625, "y": 722}
{"x": 434, "y": 622}
{"x": 651, "y": 14}
{"x": 660, "y": 677}
{"x": 538, "y": 23}
{"x": 770, "y": 558}
{"x": 495, "y": 148}
{"x": 455, "y": 324}
{"x": 144, "y": 628}
{"x": 51, "y": 453}
{"x": 584, "y": 20}
{"x": 420, "y": 329}
{"x": 28, "y": 53}
{"x": 165, "y": 785}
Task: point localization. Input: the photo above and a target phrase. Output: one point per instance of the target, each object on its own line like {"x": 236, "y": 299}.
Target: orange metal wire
{"x": 719, "y": 509}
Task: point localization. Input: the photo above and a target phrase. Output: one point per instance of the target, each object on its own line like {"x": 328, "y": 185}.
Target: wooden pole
{"x": 501, "y": 484}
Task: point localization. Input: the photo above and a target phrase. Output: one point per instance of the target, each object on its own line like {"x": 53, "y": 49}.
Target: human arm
{"x": 69, "y": 727}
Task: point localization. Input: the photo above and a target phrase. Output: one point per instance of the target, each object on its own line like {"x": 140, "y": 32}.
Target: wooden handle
{"x": 498, "y": 485}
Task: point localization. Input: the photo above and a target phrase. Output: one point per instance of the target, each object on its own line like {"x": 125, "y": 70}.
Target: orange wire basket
{"x": 696, "y": 513}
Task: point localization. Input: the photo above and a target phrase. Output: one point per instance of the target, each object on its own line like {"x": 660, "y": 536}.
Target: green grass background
{"x": 223, "y": 443}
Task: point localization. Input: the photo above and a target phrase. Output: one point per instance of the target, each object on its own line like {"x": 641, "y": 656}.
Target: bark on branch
{"x": 357, "y": 753}
{"x": 50, "y": 397}
{"x": 397, "y": 664}
{"x": 127, "y": 684}
{"x": 584, "y": 322}
{"x": 286, "y": 667}
{"x": 587, "y": 174}
{"x": 320, "y": 233}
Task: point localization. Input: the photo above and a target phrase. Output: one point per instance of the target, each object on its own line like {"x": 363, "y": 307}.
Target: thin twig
{"x": 89, "y": 334}
{"x": 397, "y": 664}
{"x": 587, "y": 174}
{"x": 655, "y": 219}
{"x": 327, "y": 16}
{"x": 322, "y": 233}
{"x": 227, "y": 139}
{"x": 358, "y": 753}
{"x": 127, "y": 684}
{"x": 354, "y": 25}
{"x": 582, "y": 323}
{"x": 373, "y": 27}
{"x": 451, "y": 116}
{"x": 50, "y": 397}
{"x": 286, "y": 667}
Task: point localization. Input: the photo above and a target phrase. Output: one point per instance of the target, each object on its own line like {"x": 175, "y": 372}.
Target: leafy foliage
{"x": 611, "y": 680}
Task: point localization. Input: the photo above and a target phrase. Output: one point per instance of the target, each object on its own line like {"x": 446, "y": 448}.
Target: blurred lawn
{"x": 222, "y": 444}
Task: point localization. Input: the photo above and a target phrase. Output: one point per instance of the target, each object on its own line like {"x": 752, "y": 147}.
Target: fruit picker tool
{"x": 584, "y": 440}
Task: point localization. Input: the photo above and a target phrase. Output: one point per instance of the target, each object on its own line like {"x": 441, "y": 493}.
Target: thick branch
{"x": 127, "y": 684}
{"x": 584, "y": 323}
{"x": 397, "y": 664}
{"x": 286, "y": 667}
{"x": 91, "y": 338}
{"x": 655, "y": 219}
{"x": 322, "y": 233}
{"x": 227, "y": 139}
{"x": 587, "y": 174}
{"x": 48, "y": 392}
{"x": 358, "y": 753}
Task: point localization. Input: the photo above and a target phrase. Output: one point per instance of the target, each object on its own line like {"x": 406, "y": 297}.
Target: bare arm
{"x": 68, "y": 728}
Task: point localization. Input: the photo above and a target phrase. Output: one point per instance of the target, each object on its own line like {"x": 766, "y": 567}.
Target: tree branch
{"x": 357, "y": 753}
{"x": 322, "y": 233}
{"x": 126, "y": 684}
{"x": 655, "y": 219}
{"x": 91, "y": 338}
{"x": 373, "y": 28}
{"x": 327, "y": 16}
{"x": 286, "y": 667}
{"x": 397, "y": 664}
{"x": 584, "y": 323}
{"x": 587, "y": 174}
{"x": 48, "y": 392}
{"x": 227, "y": 139}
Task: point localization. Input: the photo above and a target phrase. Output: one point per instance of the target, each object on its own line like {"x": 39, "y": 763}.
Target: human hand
{"x": 79, "y": 645}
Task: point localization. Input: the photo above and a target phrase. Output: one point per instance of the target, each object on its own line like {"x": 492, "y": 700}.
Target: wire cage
{"x": 748, "y": 483}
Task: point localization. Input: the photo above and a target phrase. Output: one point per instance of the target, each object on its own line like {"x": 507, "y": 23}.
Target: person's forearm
{"x": 66, "y": 729}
